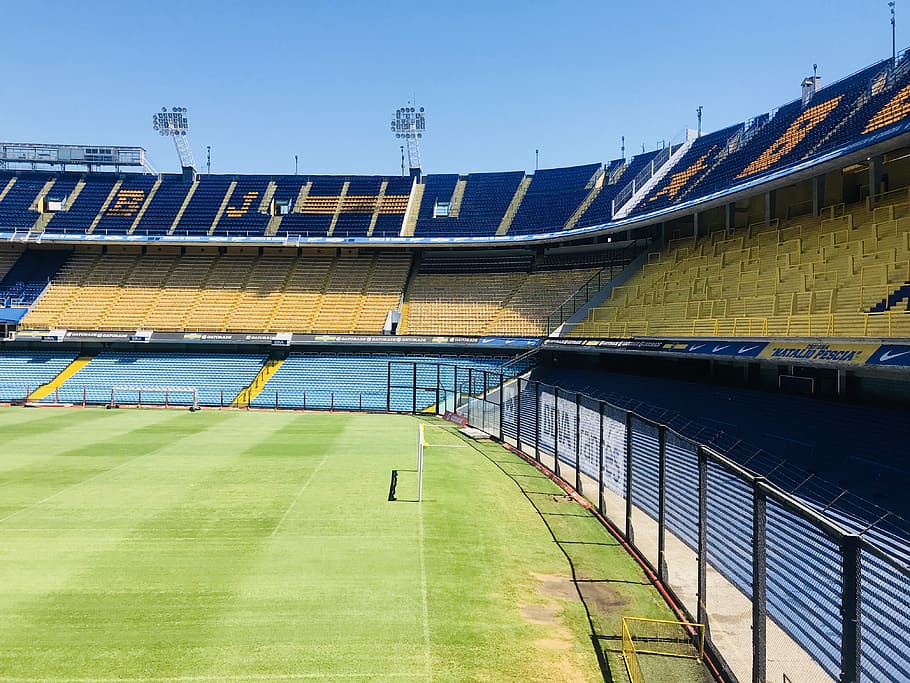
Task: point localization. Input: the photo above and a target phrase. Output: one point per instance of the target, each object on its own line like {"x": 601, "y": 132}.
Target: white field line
{"x": 424, "y": 606}
{"x": 303, "y": 488}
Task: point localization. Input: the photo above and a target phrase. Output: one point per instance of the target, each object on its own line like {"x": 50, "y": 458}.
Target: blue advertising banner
{"x": 891, "y": 354}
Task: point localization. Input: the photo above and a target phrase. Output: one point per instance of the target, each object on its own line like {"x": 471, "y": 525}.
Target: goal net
{"x": 642, "y": 636}
{"x": 155, "y": 396}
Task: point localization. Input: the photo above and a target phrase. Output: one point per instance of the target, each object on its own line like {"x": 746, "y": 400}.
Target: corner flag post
{"x": 421, "y": 442}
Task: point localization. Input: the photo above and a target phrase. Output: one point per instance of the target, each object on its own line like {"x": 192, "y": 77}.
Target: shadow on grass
{"x": 563, "y": 544}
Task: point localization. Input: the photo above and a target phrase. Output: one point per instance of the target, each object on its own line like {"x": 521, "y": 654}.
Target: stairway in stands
{"x": 49, "y": 388}
{"x": 246, "y": 396}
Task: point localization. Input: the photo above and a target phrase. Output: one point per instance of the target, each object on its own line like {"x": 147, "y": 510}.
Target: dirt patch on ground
{"x": 548, "y": 615}
{"x": 553, "y": 644}
{"x": 601, "y": 597}
{"x": 555, "y": 591}
{"x": 556, "y": 586}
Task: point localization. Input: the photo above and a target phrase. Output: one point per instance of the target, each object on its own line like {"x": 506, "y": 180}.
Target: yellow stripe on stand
{"x": 47, "y": 389}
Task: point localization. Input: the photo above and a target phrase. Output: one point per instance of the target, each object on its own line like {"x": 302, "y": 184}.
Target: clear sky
{"x": 266, "y": 80}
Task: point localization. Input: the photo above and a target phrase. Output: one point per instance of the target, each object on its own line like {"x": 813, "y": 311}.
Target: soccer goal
{"x": 642, "y": 636}
{"x": 158, "y": 396}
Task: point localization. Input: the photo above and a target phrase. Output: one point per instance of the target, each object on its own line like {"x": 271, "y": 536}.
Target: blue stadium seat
{"x": 203, "y": 206}
{"x": 162, "y": 209}
{"x": 126, "y": 204}
{"x": 79, "y": 216}
{"x": 214, "y": 375}
{"x": 552, "y": 197}
{"x": 24, "y": 371}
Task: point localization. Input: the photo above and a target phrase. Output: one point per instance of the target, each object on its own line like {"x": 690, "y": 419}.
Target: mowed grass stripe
{"x": 336, "y": 590}
{"x": 33, "y": 445}
{"x": 168, "y": 569}
{"x": 89, "y": 454}
{"x": 128, "y": 595}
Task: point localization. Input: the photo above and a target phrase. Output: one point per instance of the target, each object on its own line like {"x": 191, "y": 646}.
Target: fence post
{"x": 360, "y": 403}
{"x": 470, "y": 402}
{"x": 276, "y": 399}
{"x": 537, "y": 422}
{"x": 851, "y": 559}
{"x": 221, "y": 403}
{"x": 438, "y": 381}
{"x": 556, "y": 430}
{"x": 414, "y": 391}
{"x": 702, "y": 615}
{"x": 662, "y": 503}
{"x": 140, "y": 398}
{"x": 630, "y": 535}
{"x": 578, "y": 442}
{"x": 388, "y": 388}
{"x": 455, "y": 388}
{"x": 483, "y": 402}
{"x": 759, "y": 580}
{"x": 304, "y": 400}
{"x": 332, "y": 402}
{"x": 600, "y": 462}
{"x": 502, "y": 405}
{"x": 518, "y": 414}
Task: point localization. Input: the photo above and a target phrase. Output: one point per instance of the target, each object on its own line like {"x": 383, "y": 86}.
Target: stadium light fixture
{"x": 893, "y": 35}
{"x": 174, "y": 123}
{"x": 698, "y": 111}
{"x": 409, "y": 125}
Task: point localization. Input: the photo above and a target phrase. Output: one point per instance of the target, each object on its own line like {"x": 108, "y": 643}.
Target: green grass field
{"x": 153, "y": 545}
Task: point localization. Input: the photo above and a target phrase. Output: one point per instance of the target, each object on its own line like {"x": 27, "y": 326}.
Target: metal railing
{"x": 803, "y": 586}
{"x": 581, "y": 296}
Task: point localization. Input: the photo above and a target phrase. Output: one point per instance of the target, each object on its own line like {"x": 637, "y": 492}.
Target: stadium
{"x": 637, "y": 419}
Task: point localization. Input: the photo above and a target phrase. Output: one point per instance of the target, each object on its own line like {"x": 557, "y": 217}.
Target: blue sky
{"x": 264, "y": 81}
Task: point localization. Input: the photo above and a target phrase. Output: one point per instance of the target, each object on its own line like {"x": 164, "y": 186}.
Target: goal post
{"x": 641, "y": 636}
{"x": 152, "y": 395}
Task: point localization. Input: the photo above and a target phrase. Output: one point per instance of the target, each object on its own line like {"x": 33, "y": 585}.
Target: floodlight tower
{"x": 409, "y": 125}
{"x": 175, "y": 124}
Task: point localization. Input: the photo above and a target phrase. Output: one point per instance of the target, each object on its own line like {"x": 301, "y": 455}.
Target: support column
{"x": 818, "y": 194}
{"x": 695, "y": 225}
{"x": 841, "y": 388}
{"x": 730, "y": 215}
{"x": 771, "y": 205}
{"x": 875, "y": 175}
